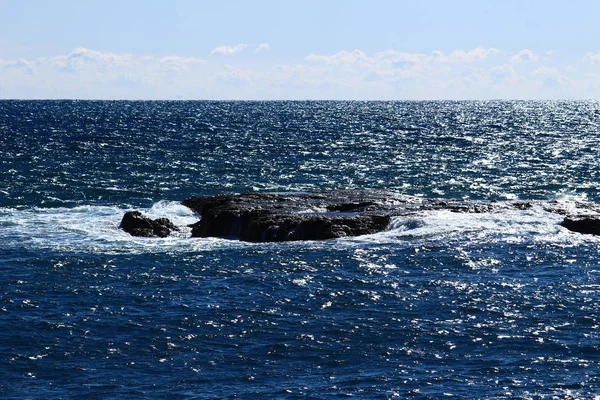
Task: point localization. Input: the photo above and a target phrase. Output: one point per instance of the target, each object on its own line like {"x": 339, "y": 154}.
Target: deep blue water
{"x": 492, "y": 305}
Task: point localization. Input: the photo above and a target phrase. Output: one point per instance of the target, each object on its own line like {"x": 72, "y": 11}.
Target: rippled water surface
{"x": 491, "y": 305}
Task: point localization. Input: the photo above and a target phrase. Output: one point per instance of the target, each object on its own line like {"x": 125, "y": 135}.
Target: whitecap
{"x": 534, "y": 224}
{"x": 95, "y": 229}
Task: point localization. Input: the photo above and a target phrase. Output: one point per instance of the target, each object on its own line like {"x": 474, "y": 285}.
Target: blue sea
{"x": 498, "y": 305}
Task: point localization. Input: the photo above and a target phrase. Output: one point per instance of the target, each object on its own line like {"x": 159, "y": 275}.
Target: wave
{"x": 510, "y": 223}
{"x": 95, "y": 229}
{"x": 535, "y": 225}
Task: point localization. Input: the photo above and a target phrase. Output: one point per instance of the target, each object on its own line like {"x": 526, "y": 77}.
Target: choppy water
{"x": 492, "y": 305}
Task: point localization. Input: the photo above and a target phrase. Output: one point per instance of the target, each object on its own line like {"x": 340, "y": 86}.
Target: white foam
{"x": 571, "y": 197}
{"x": 96, "y": 229}
{"x": 575, "y": 204}
{"x": 179, "y": 214}
{"x": 533, "y": 224}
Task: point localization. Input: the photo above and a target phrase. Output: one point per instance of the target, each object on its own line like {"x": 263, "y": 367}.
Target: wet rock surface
{"x": 136, "y": 224}
{"x": 584, "y": 225}
{"x": 288, "y": 217}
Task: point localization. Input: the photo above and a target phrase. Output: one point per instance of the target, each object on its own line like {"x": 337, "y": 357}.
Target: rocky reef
{"x": 276, "y": 217}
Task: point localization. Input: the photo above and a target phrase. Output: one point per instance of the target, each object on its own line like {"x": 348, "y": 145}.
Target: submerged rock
{"x": 136, "y": 224}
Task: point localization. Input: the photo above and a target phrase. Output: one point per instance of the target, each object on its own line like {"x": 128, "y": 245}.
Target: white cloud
{"x": 20, "y": 64}
{"x": 343, "y": 57}
{"x": 525, "y": 55}
{"x": 393, "y": 56}
{"x": 236, "y": 76}
{"x": 178, "y": 64}
{"x": 501, "y": 73}
{"x": 400, "y": 57}
{"x": 592, "y": 58}
{"x": 262, "y": 47}
{"x": 552, "y": 77}
{"x": 470, "y": 56}
{"x": 86, "y": 73}
{"x": 479, "y": 73}
{"x": 228, "y": 50}
{"x": 81, "y": 58}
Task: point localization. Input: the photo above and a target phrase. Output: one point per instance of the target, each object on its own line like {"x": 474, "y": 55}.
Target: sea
{"x": 495, "y": 305}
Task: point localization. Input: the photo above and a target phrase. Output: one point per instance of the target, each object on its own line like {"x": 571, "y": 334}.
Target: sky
{"x": 297, "y": 50}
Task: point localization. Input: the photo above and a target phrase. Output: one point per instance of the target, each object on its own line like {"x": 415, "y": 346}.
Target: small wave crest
{"x": 534, "y": 224}
{"x": 570, "y": 197}
{"x": 179, "y": 214}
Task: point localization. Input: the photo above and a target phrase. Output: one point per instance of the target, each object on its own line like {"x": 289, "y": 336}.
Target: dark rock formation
{"x": 265, "y": 226}
{"x": 275, "y": 217}
{"x": 582, "y": 225}
{"x": 136, "y": 224}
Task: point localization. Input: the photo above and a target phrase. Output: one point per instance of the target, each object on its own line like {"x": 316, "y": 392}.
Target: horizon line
{"x": 302, "y": 100}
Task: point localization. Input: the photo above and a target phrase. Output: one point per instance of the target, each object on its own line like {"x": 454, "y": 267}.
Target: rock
{"x": 136, "y": 224}
{"x": 582, "y": 225}
{"x": 262, "y": 226}
{"x": 351, "y": 207}
{"x": 163, "y": 227}
{"x": 276, "y": 217}
{"x": 277, "y": 228}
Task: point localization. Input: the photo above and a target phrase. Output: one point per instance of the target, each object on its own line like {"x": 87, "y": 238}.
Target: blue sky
{"x": 329, "y": 49}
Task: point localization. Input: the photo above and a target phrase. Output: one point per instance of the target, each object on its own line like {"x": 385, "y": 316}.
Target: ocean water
{"x": 442, "y": 304}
